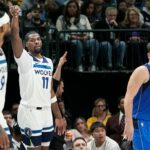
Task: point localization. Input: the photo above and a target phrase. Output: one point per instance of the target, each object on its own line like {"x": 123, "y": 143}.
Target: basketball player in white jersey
{"x": 4, "y": 31}
{"x": 37, "y": 95}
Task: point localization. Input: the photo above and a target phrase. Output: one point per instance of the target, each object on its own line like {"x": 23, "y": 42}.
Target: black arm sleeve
{"x": 55, "y": 84}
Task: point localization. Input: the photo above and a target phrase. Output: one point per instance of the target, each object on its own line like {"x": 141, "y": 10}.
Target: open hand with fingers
{"x": 60, "y": 126}
{"x": 128, "y": 131}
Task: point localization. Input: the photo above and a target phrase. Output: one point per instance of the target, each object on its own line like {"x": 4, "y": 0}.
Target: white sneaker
{"x": 80, "y": 68}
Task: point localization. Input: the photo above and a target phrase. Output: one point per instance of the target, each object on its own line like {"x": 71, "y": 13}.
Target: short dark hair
{"x": 6, "y": 112}
{"x": 95, "y": 125}
{"x": 79, "y": 138}
{"x": 28, "y": 34}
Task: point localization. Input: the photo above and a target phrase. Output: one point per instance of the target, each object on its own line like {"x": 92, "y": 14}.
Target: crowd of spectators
{"x": 107, "y": 47}
{"x": 103, "y": 131}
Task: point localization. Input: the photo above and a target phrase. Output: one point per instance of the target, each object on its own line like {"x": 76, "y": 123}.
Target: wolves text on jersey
{"x": 43, "y": 72}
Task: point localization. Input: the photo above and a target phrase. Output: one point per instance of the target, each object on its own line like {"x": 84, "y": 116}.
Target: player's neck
{"x": 1, "y": 41}
{"x": 37, "y": 55}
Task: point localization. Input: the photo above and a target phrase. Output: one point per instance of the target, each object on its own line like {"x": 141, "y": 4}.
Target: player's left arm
{"x": 59, "y": 122}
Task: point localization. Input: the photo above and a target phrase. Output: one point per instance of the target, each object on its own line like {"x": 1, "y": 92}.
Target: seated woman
{"x": 89, "y": 9}
{"x": 100, "y": 112}
{"x": 81, "y": 126}
{"x": 80, "y": 42}
{"x": 136, "y": 39}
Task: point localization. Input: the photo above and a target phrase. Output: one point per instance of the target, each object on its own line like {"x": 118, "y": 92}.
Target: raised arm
{"x": 16, "y": 41}
{"x": 57, "y": 73}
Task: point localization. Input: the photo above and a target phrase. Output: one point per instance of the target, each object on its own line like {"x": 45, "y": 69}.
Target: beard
{"x": 37, "y": 50}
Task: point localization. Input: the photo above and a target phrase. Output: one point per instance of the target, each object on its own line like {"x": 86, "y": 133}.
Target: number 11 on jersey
{"x": 45, "y": 82}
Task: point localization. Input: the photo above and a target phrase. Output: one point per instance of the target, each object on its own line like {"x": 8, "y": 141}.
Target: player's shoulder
{"x": 142, "y": 73}
{"x": 48, "y": 59}
{"x": 2, "y": 54}
{"x": 143, "y": 68}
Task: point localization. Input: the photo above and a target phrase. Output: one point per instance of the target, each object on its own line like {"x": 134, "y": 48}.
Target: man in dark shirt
{"x": 110, "y": 41}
